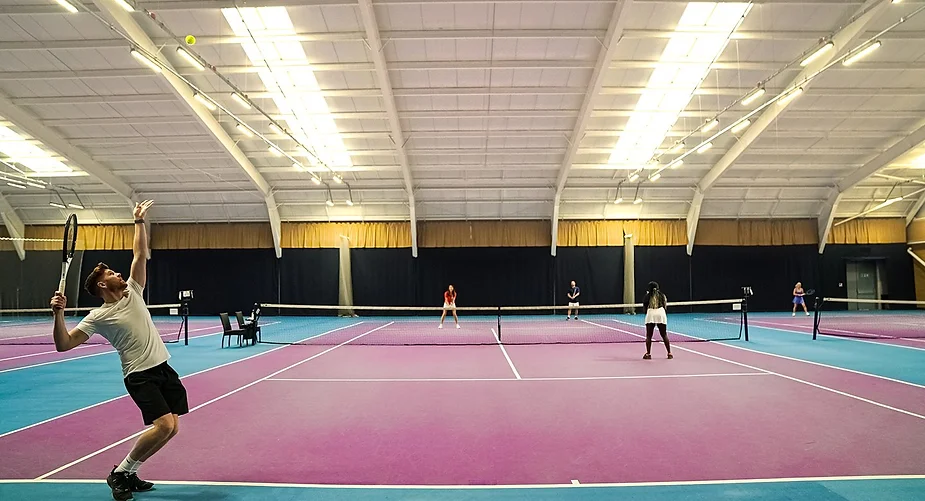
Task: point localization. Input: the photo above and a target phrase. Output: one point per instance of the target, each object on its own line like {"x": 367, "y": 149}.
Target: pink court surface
{"x": 584, "y": 421}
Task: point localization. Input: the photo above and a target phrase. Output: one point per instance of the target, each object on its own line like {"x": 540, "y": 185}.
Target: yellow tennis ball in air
{"x": 190, "y": 40}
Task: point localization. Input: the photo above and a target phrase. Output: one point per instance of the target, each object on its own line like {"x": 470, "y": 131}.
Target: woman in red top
{"x": 449, "y": 304}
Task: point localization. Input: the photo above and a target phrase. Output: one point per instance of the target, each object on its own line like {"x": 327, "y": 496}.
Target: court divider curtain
{"x": 210, "y": 236}
{"x": 869, "y": 231}
{"x": 345, "y": 283}
{"x": 629, "y": 272}
{"x": 756, "y": 232}
{"x": 915, "y": 232}
{"x": 433, "y": 234}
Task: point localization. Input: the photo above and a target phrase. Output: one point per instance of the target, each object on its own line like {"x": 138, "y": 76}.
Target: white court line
{"x": 584, "y": 378}
{"x": 33, "y": 425}
{"x": 791, "y": 378}
{"x": 575, "y": 482}
{"x": 868, "y": 341}
{"x": 84, "y": 346}
{"x": 509, "y": 362}
{"x": 216, "y": 399}
{"x": 736, "y": 481}
{"x": 810, "y": 362}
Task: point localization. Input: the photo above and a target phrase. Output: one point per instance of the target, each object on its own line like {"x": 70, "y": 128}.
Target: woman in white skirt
{"x": 654, "y": 305}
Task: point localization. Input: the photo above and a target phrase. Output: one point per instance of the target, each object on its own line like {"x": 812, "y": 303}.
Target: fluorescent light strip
{"x": 241, "y": 101}
{"x": 205, "y": 101}
{"x": 56, "y": 204}
{"x": 125, "y": 5}
{"x": 637, "y": 201}
{"x": 244, "y": 130}
{"x": 710, "y": 125}
{"x": 790, "y": 96}
{"x": 819, "y": 52}
{"x": 749, "y": 99}
{"x": 298, "y": 167}
{"x": 145, "y": 60}
{"x": 338, "y": 179}
{"x": 67, "y": 5}
{"x": 316, "y": 180}
{"x": 676, "y": 164}
{"x": 26, "y": 153}
{"x": 633, "y": 177}
{"x": 283, "y": 66}
{"x": 701, "y": 35}
{"x": 75, "y": 206}
{"x": 862, "y": 53}
{"x": 704, "y": 147}
{"x": 17, "y": 185}
{"x": 676, "y": 148}
{"x": 618, "y": 200}
{"x": 190, "y": 58}
{"x": 655, "y": 177}
{"x": 275, "y": 151}
{"x": 275, "y": 129}
{"x": 739, "y": 127}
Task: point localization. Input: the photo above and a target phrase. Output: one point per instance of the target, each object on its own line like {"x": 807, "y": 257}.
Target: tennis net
{"x": 34, "y": 326}
{"x": 870, "y": 319}
{"x": 721, "y": 320}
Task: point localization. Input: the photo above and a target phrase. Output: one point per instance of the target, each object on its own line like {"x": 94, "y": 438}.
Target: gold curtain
{"x": 756, "y": 232}
{"x": 361, "y": 235}
{"x": 915, "y": 232}
{"x": 919, "y": 272}
{"x": 89, "y": 237}
{"x": 606, "y": 233}
{"x": 869, "y": 231}
{"x": 485, "y": 234}
{"x": 5, "y": 245}
{"x": 211, "y": 236}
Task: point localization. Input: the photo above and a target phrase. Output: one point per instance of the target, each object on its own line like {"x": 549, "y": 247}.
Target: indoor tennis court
{"x": 462, "y": 250}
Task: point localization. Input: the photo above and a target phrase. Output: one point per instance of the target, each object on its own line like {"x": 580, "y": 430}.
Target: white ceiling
{"x": 487, "y": 96}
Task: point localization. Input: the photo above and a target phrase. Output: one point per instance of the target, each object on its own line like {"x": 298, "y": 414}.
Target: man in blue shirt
{"x": 573, "y": 293}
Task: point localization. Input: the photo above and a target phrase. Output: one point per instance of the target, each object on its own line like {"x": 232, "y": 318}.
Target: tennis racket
{"x": 67, "y": 254}
{"x": 809, "y": 292}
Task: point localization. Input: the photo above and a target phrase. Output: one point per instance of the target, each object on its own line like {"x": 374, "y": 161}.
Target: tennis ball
{"x": 190, "y": 40}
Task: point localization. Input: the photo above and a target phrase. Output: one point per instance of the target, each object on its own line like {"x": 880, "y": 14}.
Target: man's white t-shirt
{"x": 128, "y": 327}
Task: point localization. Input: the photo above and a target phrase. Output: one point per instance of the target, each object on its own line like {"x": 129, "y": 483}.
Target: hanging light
{"x": 240, "y": 100}
{"x": 676, "y": 148}
{"x": 244, "y": 130}
{"x": 712, "y": 124}
{"x": 739, "y": 127}
{"x": 655, "y": 177}
{"x": 67, "y": 5}
{"x": 677, "y": 163}
{"x": 790, "y": 96}
{"x": 820, "y": 51}
{"x": 704, "y": 147}
{"x": 338, "y": 179}
{"x": 862, "y": 53}
{"x": 190, "y": 58}
{"x": 145, "y": 60}
{"x": 205, "y": 101}
{"x": 633, "y": 177}
{"x": 755, "y": 94}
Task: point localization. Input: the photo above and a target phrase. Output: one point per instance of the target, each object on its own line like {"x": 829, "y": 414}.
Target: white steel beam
{"x": 843, "y": 40}
{"x": 915, "y": 209}
{"x": 902, "y": 147}
{"x": 57, "y": 143}
{"x": 604, "y": 60}
{"x": 14, "y": 226}
{"x": 127, "y": 23}
{"x": 374, "y": 43}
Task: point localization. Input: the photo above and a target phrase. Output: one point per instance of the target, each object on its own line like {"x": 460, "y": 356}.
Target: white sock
{"x": 128, "y": 465}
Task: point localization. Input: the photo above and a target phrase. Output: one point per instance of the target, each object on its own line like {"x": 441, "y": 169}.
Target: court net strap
{"x": 29, "y": 311}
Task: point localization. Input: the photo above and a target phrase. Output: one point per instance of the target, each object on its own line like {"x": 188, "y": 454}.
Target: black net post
{"x": 745, "y": 316}
{"x": 499, "y": 324}
{"x": 817, "y": 305}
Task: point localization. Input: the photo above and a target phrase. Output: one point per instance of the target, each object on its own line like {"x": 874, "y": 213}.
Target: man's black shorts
{"x": 157, "y": 391}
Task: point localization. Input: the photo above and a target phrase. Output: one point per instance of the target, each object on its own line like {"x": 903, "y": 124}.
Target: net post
{"x": 185, "y": 326}
{"x": 745, "y": 315}
{"x": 499, "y": 324}
{"x": 817, "y": 304}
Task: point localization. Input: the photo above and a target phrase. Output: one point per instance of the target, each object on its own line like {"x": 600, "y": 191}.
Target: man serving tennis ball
{"x": 124, "y": 320}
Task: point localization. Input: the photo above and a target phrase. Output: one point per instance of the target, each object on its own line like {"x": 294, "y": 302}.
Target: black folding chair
{"x": 251, "y": 330}
{"x": 229, "y": 332}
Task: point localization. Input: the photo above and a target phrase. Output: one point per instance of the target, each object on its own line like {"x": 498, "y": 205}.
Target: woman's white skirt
{"x": 656, "y": 316}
